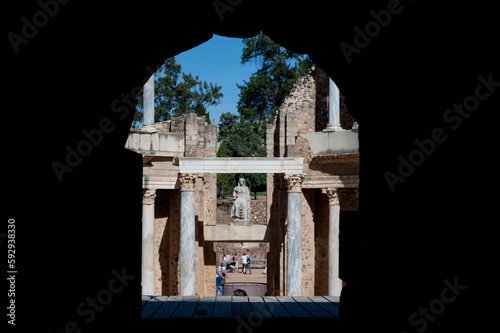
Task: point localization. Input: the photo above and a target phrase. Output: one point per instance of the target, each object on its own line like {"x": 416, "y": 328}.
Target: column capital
{"x": 333, "y": 197}
{"x": 294, "y": 182}
{"x": 148, "y": 196}
{"x": 187, "y": 181}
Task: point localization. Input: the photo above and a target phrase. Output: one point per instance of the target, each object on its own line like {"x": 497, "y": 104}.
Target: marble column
{"x": 333, "y": 107}
{"x": 187, "y": 255}
{"x": 294, "y": 235}
{"x": 148, "y": 99}
{"x": 148, "y": 242}
{"x": 334, "y": 283}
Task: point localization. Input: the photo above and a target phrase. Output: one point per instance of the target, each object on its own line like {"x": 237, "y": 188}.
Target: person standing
{"x": 235, "y": 259}
{"x": 244, "y": 260}
{"x": 224, "y": 271}
{"x": 249, "y": 261}
{"x": 219, "y": 281}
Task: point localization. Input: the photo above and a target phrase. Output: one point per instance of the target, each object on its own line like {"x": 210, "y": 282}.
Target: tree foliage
{"x": 266, "y": 88}
{"x": 226, "y": 182}
{"x": 244, "y": 135}
{"x": 177, "y": 93}
{"x": 239, "y": 139}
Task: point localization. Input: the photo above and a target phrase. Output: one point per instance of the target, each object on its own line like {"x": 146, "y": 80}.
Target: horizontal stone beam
{"x": 235, "y": 233}
{"x": 156, "y": 144}
{"x": 290, "y": 165}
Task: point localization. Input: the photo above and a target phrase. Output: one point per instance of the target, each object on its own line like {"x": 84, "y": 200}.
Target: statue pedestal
{"x": 241, "y": 222}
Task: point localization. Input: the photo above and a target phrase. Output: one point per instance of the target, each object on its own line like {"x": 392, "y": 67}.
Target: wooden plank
{"x": 275, "y": 308}
{"x": 168, "y": 307}
{"x": 333, "y": 299}
{"x": 236, "y": 303}
{"x": 326, "y": 305}
{"x": 246, "y": 309}
{"x": 241, "y": 307}
{"x": 259, "y": 307}
{"x": 186, "y": 308}
{"x": 222, "y": 307}
{"x": 145, "y": 299}
{"x": 205, "y": 307}
{"x": 293, "y": 307}
{"x": 311, "y": 307}
{"x": 152, "y": 306}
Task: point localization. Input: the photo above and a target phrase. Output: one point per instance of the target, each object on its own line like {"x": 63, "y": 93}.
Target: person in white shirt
{"x": 244, "y": 261}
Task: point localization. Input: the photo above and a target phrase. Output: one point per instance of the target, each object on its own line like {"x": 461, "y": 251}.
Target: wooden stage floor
{"x": 234, "y": 307}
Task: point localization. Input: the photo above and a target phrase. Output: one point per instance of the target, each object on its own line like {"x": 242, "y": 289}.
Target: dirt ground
{"x": 257, "y": 276}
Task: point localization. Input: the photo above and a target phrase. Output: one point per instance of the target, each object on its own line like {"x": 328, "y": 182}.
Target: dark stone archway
{"x": 75, "y": 71}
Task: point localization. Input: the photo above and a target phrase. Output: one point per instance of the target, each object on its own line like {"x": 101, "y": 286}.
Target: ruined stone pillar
{"x": 187, "y": 255}
{"x": 333, "y": 107}
{"x": 148, "y": 99}
{"x": 148, "y": 242}
{"x": 294, "y": 235}
{"x": 334, "y": 283}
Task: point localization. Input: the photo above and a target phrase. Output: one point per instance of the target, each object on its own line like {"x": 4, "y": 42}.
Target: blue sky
{"x": 218, "y": 61}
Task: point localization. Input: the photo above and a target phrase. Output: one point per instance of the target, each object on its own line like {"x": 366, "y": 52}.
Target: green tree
{"x": 240, "y": 139}
{"x": 226, "y": 182}
{"x": 266, "y": 88}
{"x": 177, "y": 93}
{"x": 228, "y": 123}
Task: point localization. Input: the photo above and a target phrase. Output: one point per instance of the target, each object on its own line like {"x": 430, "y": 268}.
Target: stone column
{"x": 333, "y": 107}
{"x": 187, "y": 255}
{"x": 294, "y": 235}
{"x": 148, "y": 93}
{"x": 148, "y": 242}
{"x": 334, "y": 283}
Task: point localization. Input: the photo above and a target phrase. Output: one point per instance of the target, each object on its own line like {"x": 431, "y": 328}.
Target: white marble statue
{"x": 241, "y": 206}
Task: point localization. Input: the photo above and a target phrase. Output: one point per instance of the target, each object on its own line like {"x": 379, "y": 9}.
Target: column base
{"x": 332, "y": 128}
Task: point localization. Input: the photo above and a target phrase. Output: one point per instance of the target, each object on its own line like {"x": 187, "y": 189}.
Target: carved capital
{"x": 148, "y": 196}
{"x": 333, "y": 197}
{"x": 187, "y": 181}
{"x": 294, "y": 182}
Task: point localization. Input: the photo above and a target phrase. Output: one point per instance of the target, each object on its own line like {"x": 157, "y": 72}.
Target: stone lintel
{"x": 235, "y": 233}
{"x": 292, "y": 165}
{"x": 334, "y": 181}
{"x": 335, "y": 158}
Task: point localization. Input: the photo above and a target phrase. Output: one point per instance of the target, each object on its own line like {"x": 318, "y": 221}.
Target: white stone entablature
{"x": 156, "y": 144}
{"x": 288, "y": 165}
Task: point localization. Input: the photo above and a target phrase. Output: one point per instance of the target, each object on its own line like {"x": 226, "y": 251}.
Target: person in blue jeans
{"x": 219, "y": 281}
